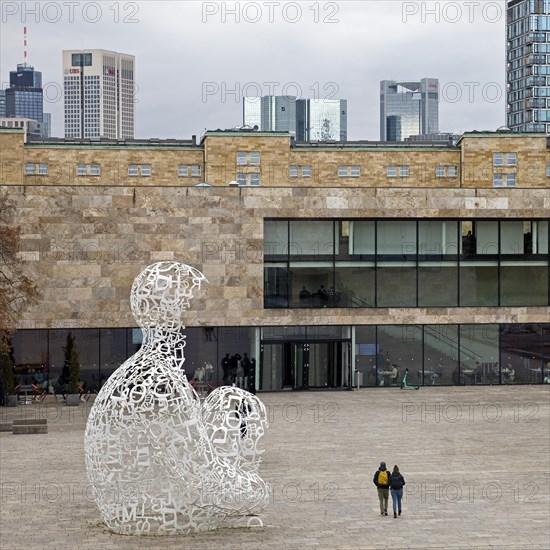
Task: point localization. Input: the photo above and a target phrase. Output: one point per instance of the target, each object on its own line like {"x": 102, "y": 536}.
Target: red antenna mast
{"x": 25, "y": 44}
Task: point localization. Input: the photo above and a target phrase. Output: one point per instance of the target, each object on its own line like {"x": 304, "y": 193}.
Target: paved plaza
{"x": 476, "y": 461}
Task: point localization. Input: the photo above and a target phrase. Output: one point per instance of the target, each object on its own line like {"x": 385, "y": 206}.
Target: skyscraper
{"x": 2, "y": 103}
{"x": 24, "y": 97}
{"x": 305, "y": 119}
{"x": 528, "y": 65}
{"x": 99, "y": 88}
{"x": 408, "y": 108}
{"x": 271, "y": 113}
{"x": 322, "y": 120}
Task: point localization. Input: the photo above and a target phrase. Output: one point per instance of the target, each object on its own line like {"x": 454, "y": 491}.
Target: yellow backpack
{"x": 383, "y": 477}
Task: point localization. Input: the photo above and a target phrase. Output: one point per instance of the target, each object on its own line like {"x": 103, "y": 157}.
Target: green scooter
{"x": 404, "y": 385}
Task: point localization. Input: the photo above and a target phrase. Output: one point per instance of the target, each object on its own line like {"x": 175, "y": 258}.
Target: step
{"x": 30, "y": 421}
{"x": 19, "y": 429}
{"x": 6, "y": 427}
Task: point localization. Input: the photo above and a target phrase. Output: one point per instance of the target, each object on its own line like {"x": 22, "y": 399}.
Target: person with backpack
{"x": 382, "y": 481}
{"x": 396, "y": 484}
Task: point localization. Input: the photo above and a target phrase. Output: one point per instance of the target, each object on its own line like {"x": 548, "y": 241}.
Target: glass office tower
{"x": 322, "y": 120}
{"x": 24, "y": 98}
{"x": 408, "y": 108}
{"x": 528, "y": 65}
{"x": 305, "y": 119}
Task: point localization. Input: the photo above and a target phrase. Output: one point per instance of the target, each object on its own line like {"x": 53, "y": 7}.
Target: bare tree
{"x": 17, "y": 291}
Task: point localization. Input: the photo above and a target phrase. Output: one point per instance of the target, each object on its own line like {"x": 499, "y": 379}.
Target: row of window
{"x": 405, "y": 263}
{"x": 41, "y": 169}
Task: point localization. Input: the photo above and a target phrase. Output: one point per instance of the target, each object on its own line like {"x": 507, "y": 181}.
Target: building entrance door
{"x": 305, "y": 365}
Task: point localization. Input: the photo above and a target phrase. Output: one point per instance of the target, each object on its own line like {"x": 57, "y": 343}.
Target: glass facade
{"x": 528, "y": 65}
{"x": 405, "y": 263}
{"x": 408, "y": 108}
{"x": 322, "y": 120}
{"x": 310, "y": 357}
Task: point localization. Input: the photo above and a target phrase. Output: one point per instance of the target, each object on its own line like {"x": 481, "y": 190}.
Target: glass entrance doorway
{"x": 305, "y": 365}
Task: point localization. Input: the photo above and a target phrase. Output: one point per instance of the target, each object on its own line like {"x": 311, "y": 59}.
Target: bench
{"x": 30, "y": 426}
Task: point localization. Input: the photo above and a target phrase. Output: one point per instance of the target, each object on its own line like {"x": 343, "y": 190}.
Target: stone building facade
{"x": 384, "y": 230}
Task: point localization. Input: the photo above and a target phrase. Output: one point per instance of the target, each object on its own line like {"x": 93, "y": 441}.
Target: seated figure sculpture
{"x": 158, "y": 461}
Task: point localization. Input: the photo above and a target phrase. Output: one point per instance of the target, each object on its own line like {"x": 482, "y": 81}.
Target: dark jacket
{"x": 375, "y": 479}
{"x": 396, "y": 481}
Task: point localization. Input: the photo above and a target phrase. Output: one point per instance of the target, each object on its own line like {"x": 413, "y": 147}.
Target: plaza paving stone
{"x": 476, "y": 461}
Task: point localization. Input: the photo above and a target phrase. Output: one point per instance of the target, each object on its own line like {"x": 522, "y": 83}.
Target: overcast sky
{"x": 194, "y": 61}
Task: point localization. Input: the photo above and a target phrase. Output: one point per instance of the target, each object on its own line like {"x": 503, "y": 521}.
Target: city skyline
{"x": 210, "y": 67}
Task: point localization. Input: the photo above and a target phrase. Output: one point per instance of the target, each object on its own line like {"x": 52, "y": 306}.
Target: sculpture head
{"x": 162, "y": 292}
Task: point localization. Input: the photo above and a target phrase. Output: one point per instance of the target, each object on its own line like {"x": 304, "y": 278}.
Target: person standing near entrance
{"x": 397, "y": 481}
{"x": 382, "y": 481}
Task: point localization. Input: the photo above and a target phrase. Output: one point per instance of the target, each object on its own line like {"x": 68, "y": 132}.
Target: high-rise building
{"x": 322, "y": 120}
{"x": 2, "y": 103}
{"x": 271, "y": 113}
{"x": 304, "y": 119}
{"x": 25, "y": 98}
{"x": 408, "y": 108}
{"x": 99, "y": 88}
{"x": 528, "y": 65}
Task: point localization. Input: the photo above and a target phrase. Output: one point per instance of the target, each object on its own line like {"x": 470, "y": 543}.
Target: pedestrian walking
{"x": 382, "y": 481}
{"x": 397, "y": 481}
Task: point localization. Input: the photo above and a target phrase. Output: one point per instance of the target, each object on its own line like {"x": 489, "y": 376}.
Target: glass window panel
{"x": 145, "y": 169}
{"x": 241, "y": 158}
{"x": 293, "y": 171}
{"x": 452, "y": 171}
{"x": 404, "y": 171}
{"x": 486, "y": 234}
{"x": 396, "y": 237}
{"x": 80, "y": 169}
{"x": 437, "y": 284}
{"x": 396, "y": 285}
{"x": 255, "y": 158}
{"x": 362, "y": 237}
{"x": 195, "y": 170}
{"x": 30, "y": 168}
{"x": 510, "y": 180}
{"x": 440, "y": 355}
{"x": 511, "y": 238}
{"x": 292, "y": 332}
{"x": 355, "y": 284}
{"x": 520, "y": 354}
{"x": 513, "y": 288}
{"x": 365, "y": 351}
{"x": 541, "y": 233}
{"x": 182, "y": 170}
{"x": 275, "y": 286}
{"x": 479, "y": 354}
{"x": 255, "y": 178}
{"x": 437, "y": 237}
{"x": 355, "y": 171}
{"x": 132, "y": 169}
{"x": 241, "y": 178}
{"x": 478, "y": 284}
{"x": 511, "y": 159}
{"x": 498, "y": 159}
{"x": 342, "y": 171}
{"x": 440, "y": 171}
{"x": 497, "y": 180}
{"x": 399, "y": 346}
{"x": 271, "y": 368}
{"x": 95, "y": 169}
{"x": 312, "y": 238}
{"x": 311, "y": 285}
{"x": 43, "y": 169}
{"x": 306, "y": 171}
{"x": 391, "y": 171}
{"x": 275, "y": 237}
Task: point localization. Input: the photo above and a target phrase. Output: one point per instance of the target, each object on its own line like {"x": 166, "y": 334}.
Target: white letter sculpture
{"x": 158, "y": 461}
